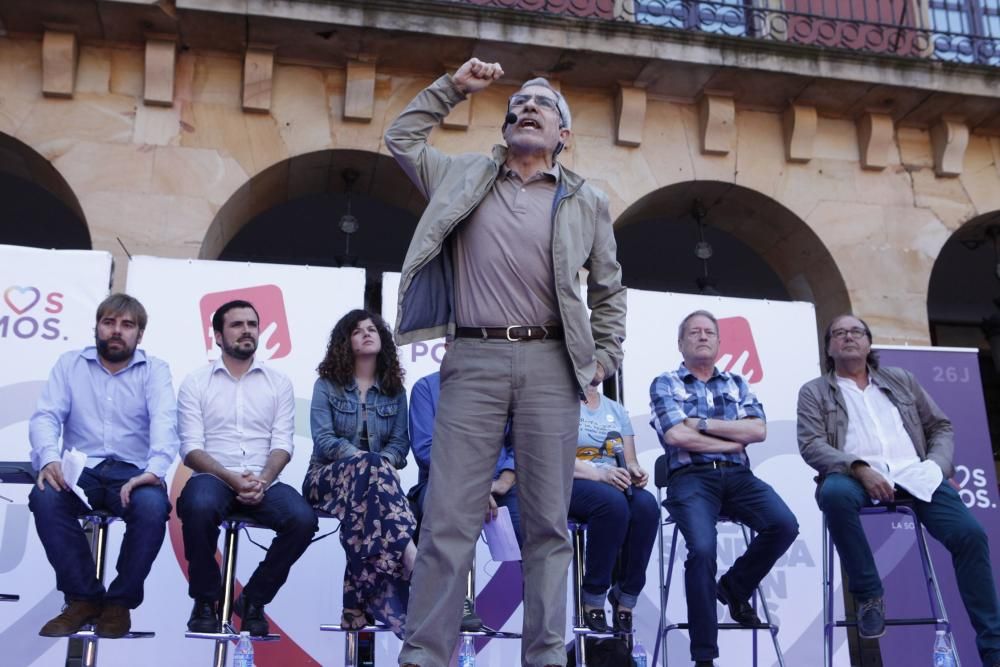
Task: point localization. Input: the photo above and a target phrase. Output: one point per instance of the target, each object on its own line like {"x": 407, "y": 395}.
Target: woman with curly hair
{"x": 359, "y": 430}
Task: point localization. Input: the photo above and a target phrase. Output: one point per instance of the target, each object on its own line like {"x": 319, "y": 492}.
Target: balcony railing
{"x": 964, "y": 31}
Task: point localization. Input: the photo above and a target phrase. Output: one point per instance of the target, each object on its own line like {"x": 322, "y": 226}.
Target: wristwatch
{"x": 703, "y": 426}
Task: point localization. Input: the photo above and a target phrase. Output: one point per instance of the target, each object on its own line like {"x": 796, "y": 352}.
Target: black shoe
{"x": 621, "y": 618}
{"x": 871, "y": 618}
{"x": 252, "y": 618}
{"x": 470, "y": 619}
{"x": 203, "y": 617}
{"x": 739, "y": 610}
{"x": 704, "y": 663}
{"x": 595, "y": 621}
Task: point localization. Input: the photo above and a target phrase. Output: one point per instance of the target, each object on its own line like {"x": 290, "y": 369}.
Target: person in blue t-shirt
{"x": 615, "y": 521}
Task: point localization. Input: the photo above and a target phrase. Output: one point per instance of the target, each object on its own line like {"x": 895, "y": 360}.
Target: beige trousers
{"x": 483, "y": 382}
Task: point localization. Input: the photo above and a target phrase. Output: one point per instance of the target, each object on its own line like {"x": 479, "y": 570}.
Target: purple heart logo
{"x": 21, "y": 299}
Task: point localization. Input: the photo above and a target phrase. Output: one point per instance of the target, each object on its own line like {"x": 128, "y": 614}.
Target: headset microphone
{"x": 510, "y": 118}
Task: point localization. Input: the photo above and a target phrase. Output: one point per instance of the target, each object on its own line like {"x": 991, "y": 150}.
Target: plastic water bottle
{"x": 944, "y": 656}
{"x": 639, "y": 657}
{"x": 467, "y": 656}
{"x": 243, "y": 657}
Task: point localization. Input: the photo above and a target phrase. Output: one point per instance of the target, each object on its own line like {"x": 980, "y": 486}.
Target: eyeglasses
{"x": 697, "y": 333}
{"x": 841, "y": 334}
{"x": 543, "y": 101}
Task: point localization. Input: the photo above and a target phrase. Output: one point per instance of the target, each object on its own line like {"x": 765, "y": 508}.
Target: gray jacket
{"x": 582, "y": 237}
{"x": 822, "y": 421}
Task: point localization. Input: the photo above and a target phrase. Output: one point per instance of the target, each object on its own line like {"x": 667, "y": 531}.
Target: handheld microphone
{"x": 616, "y": 443}
{"x": 510, "y": 118}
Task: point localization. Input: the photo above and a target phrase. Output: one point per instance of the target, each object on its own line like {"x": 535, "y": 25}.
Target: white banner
{"x": 773, "y": 345}
{"x": 49, "y": 302}
{"x": 298, "y": 308}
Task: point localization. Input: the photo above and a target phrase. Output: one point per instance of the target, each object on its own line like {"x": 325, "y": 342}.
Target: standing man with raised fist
{"x": 494, "y": 264}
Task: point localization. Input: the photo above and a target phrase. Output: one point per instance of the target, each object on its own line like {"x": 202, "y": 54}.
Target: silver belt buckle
{"x": 515, "y": 326}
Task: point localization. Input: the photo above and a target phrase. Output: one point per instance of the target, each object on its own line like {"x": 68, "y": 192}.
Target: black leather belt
{"x": 713, "y": 465}
{"x": 513, "y": 333}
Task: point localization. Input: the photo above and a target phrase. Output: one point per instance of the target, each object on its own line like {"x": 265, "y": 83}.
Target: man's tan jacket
{"x": 582, "y": 237}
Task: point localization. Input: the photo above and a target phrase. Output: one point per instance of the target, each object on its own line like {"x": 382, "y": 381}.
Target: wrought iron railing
{"x": 965, "y": 31}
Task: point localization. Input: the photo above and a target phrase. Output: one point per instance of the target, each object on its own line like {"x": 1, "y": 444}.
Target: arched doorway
{"x": 40, "y": 209}
{"x": 963, "y": 304}
{"x": 296, "y": 212}
{"x": 759, "y": 249}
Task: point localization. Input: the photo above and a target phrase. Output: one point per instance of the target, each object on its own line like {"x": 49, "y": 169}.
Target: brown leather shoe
{"x": 114, "y": 622}
{"x": 74, "y": 616}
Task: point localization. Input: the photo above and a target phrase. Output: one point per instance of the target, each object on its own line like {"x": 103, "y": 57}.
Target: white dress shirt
{"x": 239, "y": 422}
{"x": 875, "y": 434}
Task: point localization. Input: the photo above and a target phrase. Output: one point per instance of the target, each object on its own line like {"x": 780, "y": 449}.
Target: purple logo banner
{"x": 951, "y": 377}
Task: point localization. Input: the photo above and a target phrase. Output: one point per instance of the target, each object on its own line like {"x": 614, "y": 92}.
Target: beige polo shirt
{"x": 503, "y": 255}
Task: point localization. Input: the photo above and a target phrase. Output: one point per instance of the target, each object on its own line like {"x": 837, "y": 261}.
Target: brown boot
{"x": 74, "y": 616}
{"x": 114, "y": 622}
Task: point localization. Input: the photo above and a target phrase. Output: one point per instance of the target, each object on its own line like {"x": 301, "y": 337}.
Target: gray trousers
{"x": 482, "y": 383}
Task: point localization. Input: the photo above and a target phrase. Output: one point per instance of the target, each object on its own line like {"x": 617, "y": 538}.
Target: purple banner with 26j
{"x": 952, "y": 379}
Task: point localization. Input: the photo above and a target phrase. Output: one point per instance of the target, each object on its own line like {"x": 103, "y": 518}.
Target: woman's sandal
{"x": 353, "y": 619}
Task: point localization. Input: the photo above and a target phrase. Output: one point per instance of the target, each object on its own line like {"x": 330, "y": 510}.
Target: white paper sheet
{"x": 500, "y": 537}
{"x": 73, "y": 463}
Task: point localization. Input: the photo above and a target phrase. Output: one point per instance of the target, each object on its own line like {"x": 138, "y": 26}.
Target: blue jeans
{"x": 695, "y": 498}
{"x": 947, "y": 519}
{"x": 56, "y": 521}
{"x": 418, "y": 492}
{"x": 203, "y": 504}
{"x": 614, "y": 523}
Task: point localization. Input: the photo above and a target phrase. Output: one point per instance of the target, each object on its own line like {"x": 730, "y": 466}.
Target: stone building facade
{"x": 832, "y": 172}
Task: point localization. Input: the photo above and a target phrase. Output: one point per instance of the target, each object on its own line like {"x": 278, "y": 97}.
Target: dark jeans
{"x": 947, "y": 519}
{"x": 418, "y": 492}
{"x": 614, "y": 523}
{"x": 695, "y": 499}
{"x": 203, "y": 504}
{"x": 56, "y": 520}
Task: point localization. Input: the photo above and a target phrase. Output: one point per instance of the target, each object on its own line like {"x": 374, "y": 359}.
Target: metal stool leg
{"x": 99, "y": 548}
{"x": 228, "y": 590}
{"x": 933, "y": 589}
{"x": 579, "y": 639}
{"x": 663, "y": 591}
{"x": 827, "y": 551}
{"x": 351, "y": 657}
{"x": 773, "y": 631}
{"x": 665, "y": 596}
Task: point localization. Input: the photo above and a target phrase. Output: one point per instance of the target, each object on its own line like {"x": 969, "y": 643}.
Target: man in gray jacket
{"x": 873, "y": 433}
{"x": 494, "y": 263}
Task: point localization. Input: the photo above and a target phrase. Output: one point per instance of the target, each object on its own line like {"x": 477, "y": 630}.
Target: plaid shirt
{"x": 677, "y": 395}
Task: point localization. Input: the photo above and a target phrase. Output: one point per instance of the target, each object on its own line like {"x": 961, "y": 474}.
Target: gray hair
{"x": 564, "y": 115}
{"x": 697, "y": 313}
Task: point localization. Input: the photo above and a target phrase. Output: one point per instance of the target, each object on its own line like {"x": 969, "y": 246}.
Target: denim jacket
{"x": 335, "y": 428}
{"x": 822, "y": 421}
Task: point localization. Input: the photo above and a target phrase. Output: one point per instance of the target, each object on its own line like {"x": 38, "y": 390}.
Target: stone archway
{"x": 40, "y": 208}
{"x": 963, "y": 303}
{"x": 289, "y": 213}
{"x": 761, "y": 249}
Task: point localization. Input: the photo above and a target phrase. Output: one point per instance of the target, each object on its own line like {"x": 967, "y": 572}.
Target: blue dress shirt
{"x": 423, "y": 407}
{"x": 129, "y": 416}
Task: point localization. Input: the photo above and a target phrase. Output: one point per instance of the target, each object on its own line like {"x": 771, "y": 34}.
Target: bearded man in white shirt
{"x": 873, "y": 433}
{"x": 236, "y": 421}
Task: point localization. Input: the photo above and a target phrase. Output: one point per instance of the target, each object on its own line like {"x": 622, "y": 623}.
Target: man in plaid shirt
{"x": 705, "y": 419}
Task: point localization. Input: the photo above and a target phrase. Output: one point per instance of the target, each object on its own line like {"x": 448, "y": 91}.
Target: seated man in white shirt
{"x": 872, "y": 432}
{"x": 236, "y": 419}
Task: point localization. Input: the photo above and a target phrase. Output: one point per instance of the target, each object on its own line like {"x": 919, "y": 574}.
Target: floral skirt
{"x": 376, "y": 524}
